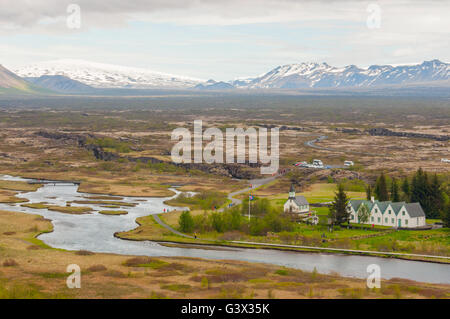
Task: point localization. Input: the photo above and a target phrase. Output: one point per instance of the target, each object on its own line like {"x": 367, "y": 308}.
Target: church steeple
{"x": 292, "y": 192}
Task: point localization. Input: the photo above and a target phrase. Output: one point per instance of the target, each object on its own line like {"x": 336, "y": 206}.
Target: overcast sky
{"x": 225, "y": 39}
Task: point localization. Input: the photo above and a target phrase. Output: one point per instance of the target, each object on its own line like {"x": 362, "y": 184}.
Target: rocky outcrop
{"x": 283, "y": 127}
{"x": 386, "y": 132}
{"x": 240, "y": 171}
{"x": 348, "y": 130}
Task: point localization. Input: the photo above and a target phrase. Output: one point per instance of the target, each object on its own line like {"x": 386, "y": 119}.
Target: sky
{"x": 224, "y": 40}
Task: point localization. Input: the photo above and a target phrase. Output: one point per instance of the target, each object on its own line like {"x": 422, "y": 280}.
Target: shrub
{"x": 176, "y": 287}
{"x": 9, "y": 262}
{"x": 96, "y": 268}
{"x": 84, "y": 253}
{"x": 282, "y": 272}
{"x": 186, "y": 222}
{"x": 145, "y": 262}
{"x": 204, "y": 200}
{"x": 205, "y": 283}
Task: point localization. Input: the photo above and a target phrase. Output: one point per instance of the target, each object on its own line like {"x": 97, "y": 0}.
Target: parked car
{"x": 348, "y": 163}
{"x": 317, "y": 162}
{"x": 300, "y": 164}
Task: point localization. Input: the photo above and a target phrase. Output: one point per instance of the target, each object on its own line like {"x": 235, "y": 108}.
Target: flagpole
{"x": 249, "y": 208}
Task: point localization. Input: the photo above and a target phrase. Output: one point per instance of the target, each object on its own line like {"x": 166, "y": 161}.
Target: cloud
{"x": 18, "y": 14}
{"x": 227, "y": 37}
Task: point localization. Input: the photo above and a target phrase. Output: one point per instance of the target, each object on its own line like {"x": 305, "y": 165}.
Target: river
{"x": 94, "y": 232}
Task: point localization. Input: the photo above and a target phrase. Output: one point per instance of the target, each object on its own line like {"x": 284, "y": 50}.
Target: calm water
{"x": 94, "y": 232}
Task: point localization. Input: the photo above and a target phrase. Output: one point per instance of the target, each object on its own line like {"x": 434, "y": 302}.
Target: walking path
{"x": 342, "y": 250}
{"x": 313, "y": 142}
{"x": 260, "y": 182}
{"x": 255, "y": 183}
{"x": 338, "y": 249}
{"x": 159, "y": 221}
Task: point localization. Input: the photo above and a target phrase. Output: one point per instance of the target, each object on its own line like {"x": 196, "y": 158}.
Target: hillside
{"x": 60, "y": 83}
{"x": 10, "y": 83}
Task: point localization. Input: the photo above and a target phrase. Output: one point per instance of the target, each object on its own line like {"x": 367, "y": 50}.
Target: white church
{"x": 393, "y": 214}
{"x": 296, "y": 204}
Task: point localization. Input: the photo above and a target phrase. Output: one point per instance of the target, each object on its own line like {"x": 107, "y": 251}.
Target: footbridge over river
{"x": 54, "y": 183}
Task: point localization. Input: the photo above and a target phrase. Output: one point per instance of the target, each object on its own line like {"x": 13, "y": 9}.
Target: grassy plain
{"x": 30, "y": 269}
{"x": 140, "y": 126}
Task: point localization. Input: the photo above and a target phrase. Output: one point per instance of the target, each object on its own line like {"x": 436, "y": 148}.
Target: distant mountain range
{"x": 76, "y": 76}
{"x": 315, "y": 75}
{"x": 60, "y": 83}
{"x": 100, "y": 75}
{"x": 11, "y": 83}
{"x": 213, "y": 85}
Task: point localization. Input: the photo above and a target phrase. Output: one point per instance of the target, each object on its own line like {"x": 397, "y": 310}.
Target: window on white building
{"x": 406, "y": 222}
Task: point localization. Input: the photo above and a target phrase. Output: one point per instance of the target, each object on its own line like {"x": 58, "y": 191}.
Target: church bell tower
{"x": 292, "y": 192}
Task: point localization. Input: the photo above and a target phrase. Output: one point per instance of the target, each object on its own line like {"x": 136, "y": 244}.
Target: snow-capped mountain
{"x": 290, "y": 76}
{"x": 213, "y": 85}
{"x": 315, "y": 75}
{"x": 60, "y": 83}
{"x": 100, "y": 75}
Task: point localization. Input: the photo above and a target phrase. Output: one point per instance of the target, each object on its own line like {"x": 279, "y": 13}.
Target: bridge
{"x": 54, "y": 183}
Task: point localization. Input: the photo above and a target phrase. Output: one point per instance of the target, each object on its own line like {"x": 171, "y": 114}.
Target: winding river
{"x": 94, "y": 232}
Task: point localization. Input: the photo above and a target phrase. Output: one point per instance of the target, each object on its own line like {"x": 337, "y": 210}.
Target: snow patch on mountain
{"x": 322, "y": 75}
{"x": 101, "y": 75}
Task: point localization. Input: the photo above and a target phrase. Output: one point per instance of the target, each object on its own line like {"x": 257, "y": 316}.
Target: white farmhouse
{"x": 296, "y": 204}
{"x": 398, "y": 214}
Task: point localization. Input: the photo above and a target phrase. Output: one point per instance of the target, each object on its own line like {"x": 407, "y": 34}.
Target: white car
{"x": 317, "y": 162}
{"x": 348, "y": 163}
{"x": 445, "y": 160}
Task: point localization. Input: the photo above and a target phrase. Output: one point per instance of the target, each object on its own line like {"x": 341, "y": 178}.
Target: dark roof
{"x": 396, "y": 206}
{"x": 383, "y": 205}
{"x": 414, "y": 210}
{"x": 355, "y": 203}
{"x": 301, "y": 200}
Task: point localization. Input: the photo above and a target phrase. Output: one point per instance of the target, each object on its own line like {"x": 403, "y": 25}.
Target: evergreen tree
{"x": 419, "y": 187}
{"x": 406, "y": 190}
{"x": 338, "y": 210}
{"x": 445, "y": 215}
{"x": 436, "y": 199}
{"x": 395, "y": 193}
{"x": 381, "y": 189}
{"x": 369, "y": 192}
{"x": 421, "y": 192}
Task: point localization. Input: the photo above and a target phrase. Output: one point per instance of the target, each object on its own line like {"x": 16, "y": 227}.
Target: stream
{"x": 94, "y": 232}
